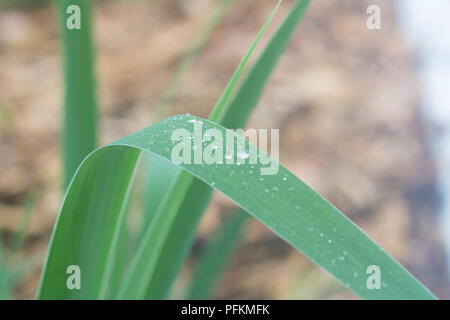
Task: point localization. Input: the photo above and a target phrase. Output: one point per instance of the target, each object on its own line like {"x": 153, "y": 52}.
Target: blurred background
{"x": 363, "y": 118}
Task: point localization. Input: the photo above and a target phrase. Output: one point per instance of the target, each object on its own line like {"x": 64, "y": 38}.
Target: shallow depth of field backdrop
{"x": 346, "y": 100}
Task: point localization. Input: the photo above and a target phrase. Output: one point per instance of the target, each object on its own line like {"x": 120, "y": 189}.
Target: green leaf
{"x": 89, "y": 224}
{"x": 220, "y": 110}
{"x": 214, "y": 260}
{"x": 80, "y": 101}
{"x": 90, "y": 219}
{"x": 194, "y": 198}
{"x": 249, "y": 93}
{"x": 161, "y": 178}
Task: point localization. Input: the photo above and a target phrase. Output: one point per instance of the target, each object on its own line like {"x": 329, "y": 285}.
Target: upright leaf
{"x": 240, "y": 109}
{"x": 80, "y": 102}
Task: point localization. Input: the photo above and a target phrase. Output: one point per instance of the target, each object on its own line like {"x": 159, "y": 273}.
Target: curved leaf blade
{"x": 294, "y": 211}
{"x": 89, "y": 221}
